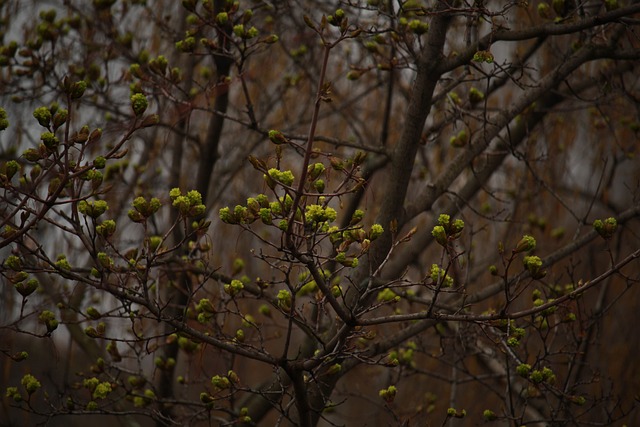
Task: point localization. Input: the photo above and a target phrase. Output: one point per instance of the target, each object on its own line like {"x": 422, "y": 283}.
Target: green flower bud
{"x": 523, "y": 369}
{"x": 265, "y": 216}
{"x": 489, "y": 415}
{"x": 30, "y": 383}
{"x": 418, "y": 27}
{"x": 220, "y": 382}
{"x": 493, "y": 270}
{"x": 43, "y": 115}
{"x": 375, "y": 232}
{"x": 49, "y": 140}
{"x": 26, "y": 288}
{"x": 265, "y": 310}
{"x": 440, "y": 235}
{"x": 314, "y": 170}
{"x": 14, "y": 263}
{"x": 4, "y": 123}
{"x": 233, "y": 288}
{"x": 387, "y": 295}
{"x": 475, "y": 95}
{"x": 60, "y": 118}
{"x": 77, "y": 89}
{"x": 388, "y": 394}
{"x": 526, "y": 244}
{"x": 607, "y": 228}
{"x": 284, "y": 300}
{"x": 227, "y": 216}
{"x": 277, "y": 137}
{"x": 49, "y": 319}
{"x": 533, "y": 264}
{"x": 139, "y": 104}
{"x": 238, "y": 30}
{"x": 222, "y": 18}
{"x": 544, "y": 10}
{"x": 104, "y": 260}
{"x": 102, "y": 390}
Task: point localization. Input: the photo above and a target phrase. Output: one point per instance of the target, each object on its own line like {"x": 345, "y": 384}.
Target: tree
{"x": 319, "y": 213}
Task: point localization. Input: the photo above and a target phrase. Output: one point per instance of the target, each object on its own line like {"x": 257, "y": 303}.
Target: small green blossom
{"x": 62, "y": 263}
{"x": 440, "y": 235}
{"x": 77, "y": 89}
{"x": 92, "y": 209}
{"x": 13, "y": 393}
{"x": 387, "y": 295}
{"x": 489, "y": 415}
{"x": 26, "y": 288}
{"x": 49, "y": 140}
{"x": 526, "y": 244}
{"x": 439, "y": 276}
{"x": 418, "y": 27}
{"x": 4, "y": 123}
{"x": 316, "y": 213}
{"x": 284, "y": 177}
{"x": 102, "y": 390}
{"x": 475, "y": 95}
{"x": 265, "y": 216}
{"x": 523, "y": 369}
{"x": 606, "y": 228}
{"x": 139, "y": 104}
{"x": 533, "y": 264}
{"x": 284, "y": 300}
{"x": 30, "y": 383}
{"x": 233, "y": 288}
{"x": 220, "y": 382}
{"x": 388, "y": 394}
{"x": 49, "y": 319}
{"x": 277, "y": 137}
{"x": 14, "y": 263}
{"x": 43, "y": 115}
{"x": 226, "y": 216}
{"x": 222, "y": 18}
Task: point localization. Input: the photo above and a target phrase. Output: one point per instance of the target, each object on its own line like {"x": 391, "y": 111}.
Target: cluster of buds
{"x": 388, "y": 394}
{"x": 232, "y": 289}
{"x": 439, "y": 276}
{"x": 447, "y": 230}
{"x": 533, "y": 264}
{"x": 607, "y": 228}
{"x": 92, "y": 209}
{"x": 190, "y": 205}
{"x": 143, "y": 208}
{"x": 205, "y": 310}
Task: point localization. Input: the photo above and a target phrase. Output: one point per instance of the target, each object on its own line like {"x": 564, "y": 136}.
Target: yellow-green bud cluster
{"x": 315, "y": 214}
{"x": 30, "y": 383}
{"x": 43, "y": 116}
{"x": 526, "y": 244}
{"x": 388, "y": 394}
{"x": 446, "y": 229}
{"x": 439, "y": 276}
{"x": 387, "y": 295}
{"x": 189, "y": 205}
{"x": 543, "y": 375}
{"x": 139, "y": 104}
{"x": 284, "y": 300}
{"x": 4, "y": 122}
{"x": 49, "y": 319}
{"x": 606, "y": 228}
{"x": 284, "y": 177}
{"x": 143, "y": 208}
{"x": 533, "y": 264}
{"x": 92, "y": 209}
{"x": 232, "y": 289}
